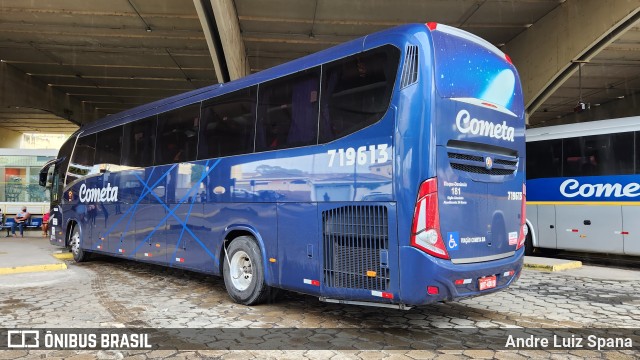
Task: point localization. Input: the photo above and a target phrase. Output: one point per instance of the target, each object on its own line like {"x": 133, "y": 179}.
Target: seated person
{"x": 20, "y": 221}
{"x": 45, "y": 224}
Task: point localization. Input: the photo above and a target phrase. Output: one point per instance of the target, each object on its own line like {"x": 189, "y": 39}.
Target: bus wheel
{"x": 74, "y": 243}
{"x": 528, "y": 244}
{"x": 244, "y": 273}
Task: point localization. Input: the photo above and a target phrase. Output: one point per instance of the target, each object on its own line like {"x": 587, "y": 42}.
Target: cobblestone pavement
{"x": 107, "y": 293}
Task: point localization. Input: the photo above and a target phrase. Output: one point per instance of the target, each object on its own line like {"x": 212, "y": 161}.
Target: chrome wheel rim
{"x": 241, "y": 270}
{"x": 75, "y": 243}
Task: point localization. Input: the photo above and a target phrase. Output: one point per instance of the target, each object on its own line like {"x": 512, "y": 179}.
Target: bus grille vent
{"x": 356, "y": 241}
{"x": 470, "y": 157}
{"x": 476, "y": 164}
{"x": 410, "y": 70}
{"x": 481, "y": 170}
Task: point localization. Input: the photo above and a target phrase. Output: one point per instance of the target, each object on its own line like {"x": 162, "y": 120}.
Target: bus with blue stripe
{"x": 385, "y": 171}
{"x": 583, "y": 187}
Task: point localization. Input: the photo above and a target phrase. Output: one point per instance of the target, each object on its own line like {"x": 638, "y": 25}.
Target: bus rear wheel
{"x": 74, "y": 244}
{"x": 528, "y": 244}
{"x": 243, "y": 272}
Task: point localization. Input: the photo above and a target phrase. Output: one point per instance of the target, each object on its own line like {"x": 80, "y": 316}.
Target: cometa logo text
{"x": 108, "y": 194}
{"x": 466, "y": 124}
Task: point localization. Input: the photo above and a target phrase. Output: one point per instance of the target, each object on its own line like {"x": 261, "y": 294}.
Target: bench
{"x": 32, "y": 223}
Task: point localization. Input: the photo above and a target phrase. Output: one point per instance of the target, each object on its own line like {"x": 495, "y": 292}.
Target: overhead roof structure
{"x": 69, "y": 62}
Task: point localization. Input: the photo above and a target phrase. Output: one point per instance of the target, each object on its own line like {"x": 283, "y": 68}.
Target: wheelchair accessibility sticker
{"x": 453, "y": 239}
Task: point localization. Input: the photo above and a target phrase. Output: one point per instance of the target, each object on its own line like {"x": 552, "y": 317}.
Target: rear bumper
{"x": 419, "y": 270}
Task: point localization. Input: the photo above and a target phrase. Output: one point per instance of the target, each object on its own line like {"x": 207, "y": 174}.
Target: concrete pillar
{"x": 10, "y": 139}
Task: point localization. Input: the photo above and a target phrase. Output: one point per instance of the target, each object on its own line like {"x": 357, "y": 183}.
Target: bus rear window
{"x": 469, "y": 69}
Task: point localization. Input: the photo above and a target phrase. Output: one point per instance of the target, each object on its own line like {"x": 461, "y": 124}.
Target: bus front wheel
{"x": 74, "y": 243}
{"x": 244, "y": 272}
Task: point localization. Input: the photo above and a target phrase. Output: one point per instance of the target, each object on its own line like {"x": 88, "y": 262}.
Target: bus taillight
{"x": 523, "y": 217}
{"x": 426, "y": 221}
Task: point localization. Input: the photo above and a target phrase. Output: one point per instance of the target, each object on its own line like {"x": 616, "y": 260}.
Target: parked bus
{"x": 385, "y": 171}
{"x": 583, "y": 187}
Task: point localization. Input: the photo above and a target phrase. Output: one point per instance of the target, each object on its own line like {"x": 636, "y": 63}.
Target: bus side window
{"x": 287, "y": 111}
{"x": 227, "y": 124}
{"x": 543, "y": 159}
{"x": 108, "y": 148}
{"x": 622, "y": 154}
{"x": 356, "y": 91}
{"x": 178, "y": 135}
{"x": 138, "y": 143}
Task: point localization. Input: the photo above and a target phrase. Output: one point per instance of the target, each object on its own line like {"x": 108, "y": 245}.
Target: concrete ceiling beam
{"x": 208, "y": 27}
{"x": 549, "y": 51}
{"x": 228, "y": 28}
{"x": 18, "y": 89}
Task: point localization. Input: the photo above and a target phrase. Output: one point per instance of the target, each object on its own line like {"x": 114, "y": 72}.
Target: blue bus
{"x": 584, "y": 187}
{"x": 385, "y": 171}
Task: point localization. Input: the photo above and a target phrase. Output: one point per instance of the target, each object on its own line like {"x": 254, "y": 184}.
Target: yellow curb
{"x": 32, "y": 268}
{"x": 63, "y": 256}
{"x": 559, "y": 267}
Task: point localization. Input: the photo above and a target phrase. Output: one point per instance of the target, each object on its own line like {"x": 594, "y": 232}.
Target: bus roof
{"x": 610, "y": 126}
{"x": 315, "y": 59}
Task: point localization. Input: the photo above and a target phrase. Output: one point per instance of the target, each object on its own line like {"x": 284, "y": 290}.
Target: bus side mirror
{"x": 43, "y": 177}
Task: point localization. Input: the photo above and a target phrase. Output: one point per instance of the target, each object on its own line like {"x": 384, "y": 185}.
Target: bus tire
{"x": 79, "y": 255}
{"x": 243, "y": 272}
{"x": 528, "y": 244}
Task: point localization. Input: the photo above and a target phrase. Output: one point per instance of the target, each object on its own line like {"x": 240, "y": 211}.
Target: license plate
{"x": 488, "y": 282}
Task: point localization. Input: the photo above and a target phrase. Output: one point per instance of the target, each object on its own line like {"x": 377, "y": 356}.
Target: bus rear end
{"x": 467, "y": 231}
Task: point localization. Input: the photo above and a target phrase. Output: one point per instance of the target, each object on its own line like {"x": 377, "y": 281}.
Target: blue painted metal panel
{"x": 187, "y": 237}
{"x": 418, "y": 270}
{"x": 151, "y": 224}
{"x": 299, "y": 253}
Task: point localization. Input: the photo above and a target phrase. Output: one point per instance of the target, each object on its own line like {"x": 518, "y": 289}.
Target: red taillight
{"x": 523, "y": 217}
{"x": 432, "y": 25}
{"x": 433, "y": 290}
{"x": 506, "y": 57}
{"x": 425, "y": 233}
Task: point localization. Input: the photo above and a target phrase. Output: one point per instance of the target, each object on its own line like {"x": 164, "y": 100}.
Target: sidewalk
{"x": 575, "y": 268}
{"x": 32, "y": 253}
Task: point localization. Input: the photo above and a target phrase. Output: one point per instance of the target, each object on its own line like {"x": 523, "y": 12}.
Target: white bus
{"x": 583, "y": 187}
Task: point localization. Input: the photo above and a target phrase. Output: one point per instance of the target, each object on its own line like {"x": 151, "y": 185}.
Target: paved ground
{"x": 108, "y": 293}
